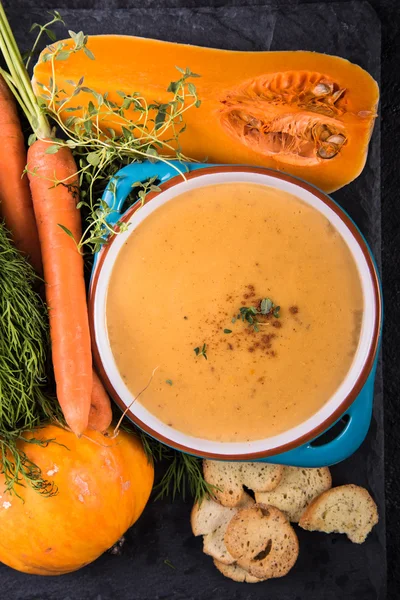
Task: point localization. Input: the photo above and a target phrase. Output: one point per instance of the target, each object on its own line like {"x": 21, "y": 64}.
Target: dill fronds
{"x": 24, "y": 343}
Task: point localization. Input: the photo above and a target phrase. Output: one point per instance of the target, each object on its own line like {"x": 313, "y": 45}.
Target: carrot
{"x": 53, "y": 180}
{"x": 15, "y": 199}
{"x": 100, "y": 415}
{"x": 63, "y": 274}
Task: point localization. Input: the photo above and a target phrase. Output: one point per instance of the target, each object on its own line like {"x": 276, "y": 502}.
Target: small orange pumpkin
{"x": 103, "y": 487}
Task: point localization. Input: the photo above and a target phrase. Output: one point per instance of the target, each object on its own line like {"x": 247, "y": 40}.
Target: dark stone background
{"x": 388, "y": 12}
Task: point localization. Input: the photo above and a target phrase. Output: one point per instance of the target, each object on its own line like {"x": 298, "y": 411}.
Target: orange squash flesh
{"x": 305, "y": 113}
{"x": 103, "y": 486}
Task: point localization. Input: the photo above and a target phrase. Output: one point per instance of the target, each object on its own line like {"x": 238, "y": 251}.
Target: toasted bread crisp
{"x": 236, "y": 573}
{"x": 345, "y": 509}
{"x": 230, "y": 477}
{"x": 262, "y": 541}
{"x": 297, "y": 488}
{"x": 211, "y": 519}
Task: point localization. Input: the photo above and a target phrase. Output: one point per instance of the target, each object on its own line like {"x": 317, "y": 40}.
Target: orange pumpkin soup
{"x": 247, "y": 301}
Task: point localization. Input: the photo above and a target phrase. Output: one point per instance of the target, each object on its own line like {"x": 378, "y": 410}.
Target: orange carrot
{"x": 15, "y": 199}
{"x": 63, "y": 274}
{"x": 100, "y": 415}
{"x": 54, "y": 188}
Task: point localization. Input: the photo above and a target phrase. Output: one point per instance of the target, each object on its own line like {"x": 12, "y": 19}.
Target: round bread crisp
{"x": 297, "y": 488}
{"x": 208, "y": 515}
{"x": 345, "y": 509}
{"x": 230, "y": 477}
{"x": 210, "y": 519}
{"x": 262, "y": 541}
{"x": 236, "y": 573}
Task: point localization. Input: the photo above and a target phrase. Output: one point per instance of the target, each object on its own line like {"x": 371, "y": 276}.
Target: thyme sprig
{"x": 249, "y": 314}
{"x": 43, "y": 29}
{"x": 104, "y": 137}
{"x": 201, "y": 351}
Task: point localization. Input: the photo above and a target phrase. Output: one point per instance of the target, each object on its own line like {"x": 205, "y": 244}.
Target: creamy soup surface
{"x": 178, "y": 284}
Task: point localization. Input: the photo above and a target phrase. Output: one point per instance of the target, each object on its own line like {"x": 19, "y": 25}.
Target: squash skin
{"x": 137, "y": 64}
{"x": 103, "y": 487}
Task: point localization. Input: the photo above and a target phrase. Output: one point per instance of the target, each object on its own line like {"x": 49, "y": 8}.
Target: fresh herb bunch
{"x": 24, "y": 339}
{"x": 98, "y": 149}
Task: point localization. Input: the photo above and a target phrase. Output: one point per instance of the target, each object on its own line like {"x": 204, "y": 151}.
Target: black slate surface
{"x": 390, "y": 16}
{"x": 328, "y": 567}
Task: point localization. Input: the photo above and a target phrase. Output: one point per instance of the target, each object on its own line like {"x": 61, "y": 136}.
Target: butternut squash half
{"x": 305, "y": 113}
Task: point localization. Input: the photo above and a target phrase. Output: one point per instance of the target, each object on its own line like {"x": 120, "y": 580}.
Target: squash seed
{"x": 337, "y": 95}
{"x": 322, "y": 89}
{"x": 324, "y": 135}
{"x": 327, "y": 151}
{"x": 337, "y": 139}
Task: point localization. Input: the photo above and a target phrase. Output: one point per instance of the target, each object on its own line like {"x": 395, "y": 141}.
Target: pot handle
{"x": 121, "y": 184}
{"x": 347, "y": 441}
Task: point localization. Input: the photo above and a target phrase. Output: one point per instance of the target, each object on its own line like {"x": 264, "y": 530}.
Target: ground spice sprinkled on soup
{"x": 249, "y": 303}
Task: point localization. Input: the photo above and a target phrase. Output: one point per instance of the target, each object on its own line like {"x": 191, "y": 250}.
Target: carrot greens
{"x": 24, "y": 340}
